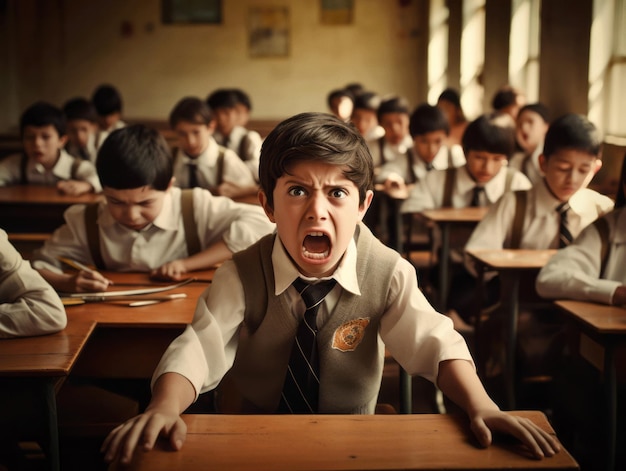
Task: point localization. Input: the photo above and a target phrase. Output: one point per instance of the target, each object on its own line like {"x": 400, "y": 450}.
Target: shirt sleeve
{"x": 574, "y": 272}
{"x": 205, "y": 351}
{"x": 239, "y": 225}
{"x": 87, "y": 172}
{"x": 416, "y": 335}
{"x": 28, "y": 304}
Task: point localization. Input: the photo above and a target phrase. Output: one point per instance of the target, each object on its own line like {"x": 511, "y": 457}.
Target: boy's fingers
{"x": 482, "y": 432}
{"x": 178, "y": 434}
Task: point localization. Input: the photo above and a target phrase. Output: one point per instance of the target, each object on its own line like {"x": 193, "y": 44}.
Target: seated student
{"x": 570, "y": 159}
{"x": 28, "y": 304}
{"x": 82, "y": 128}
{"x": 316, "y": 178}
{"x": 45, "y": 161}
{"x": 244, "y": 107}
{"x": 508, "y": 100}
{"x": 200, "y": 161}
{"x": 108, "y": 103}
{"x": 591, "y": 268}
{"x": 450, "y": 103}
{"x": 340, "y": 103}
{"x": 142, "y": 225}
{"x": 531, "y": 127}
{"x": 365, "y": 116}
{"x": 488, "y": 142}
{"x": 245, "y": 143}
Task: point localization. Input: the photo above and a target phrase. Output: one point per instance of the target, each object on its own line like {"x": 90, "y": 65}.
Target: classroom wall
{"x": 59, "y": 49}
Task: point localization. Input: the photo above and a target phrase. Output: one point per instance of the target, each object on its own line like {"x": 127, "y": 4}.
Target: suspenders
{"x": 93, "y": 231}
{"x": 521, "y": 197}
{"x": 602, "y": 226}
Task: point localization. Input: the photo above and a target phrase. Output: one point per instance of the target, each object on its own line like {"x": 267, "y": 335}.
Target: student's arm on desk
{"x": 79, "y": 282}
{"x": 171, "y": 395}
{"x": 203, "y": 260}
{"x": 458, "y": 380}
{"x": 75, "y": 187}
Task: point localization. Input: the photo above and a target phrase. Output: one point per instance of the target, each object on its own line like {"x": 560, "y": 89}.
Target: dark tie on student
{"x": 565, "y": 236}
{"x": 301, "y": 388}
{"x": 476, "y": 196}
{"x": 429, "y": 166}
{"x": 193, "y": 177}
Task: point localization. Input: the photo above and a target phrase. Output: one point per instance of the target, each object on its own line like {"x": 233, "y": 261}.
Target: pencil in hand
{"x": 82, "y": 267}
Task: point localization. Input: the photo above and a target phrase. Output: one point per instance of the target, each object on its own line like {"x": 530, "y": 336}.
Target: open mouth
{"x": 316, "y": 246}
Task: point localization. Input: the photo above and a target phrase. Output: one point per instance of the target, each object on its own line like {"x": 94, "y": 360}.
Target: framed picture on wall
{"x": 337, "y": 12}
{"x": 269, "y": 31}
{"x": 191, "y": 11}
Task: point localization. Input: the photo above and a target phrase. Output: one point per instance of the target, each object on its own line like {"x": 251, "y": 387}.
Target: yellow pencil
{"x": 75, "y": 264}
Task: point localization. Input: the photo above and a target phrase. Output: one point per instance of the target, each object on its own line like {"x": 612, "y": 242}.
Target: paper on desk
{"x": 102, "y": 295}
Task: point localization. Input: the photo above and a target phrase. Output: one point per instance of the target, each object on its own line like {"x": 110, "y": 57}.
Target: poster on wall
{"x": 269, "y": 31}
{"x": 337, "y": 12}
{"x": 191, "y": 11}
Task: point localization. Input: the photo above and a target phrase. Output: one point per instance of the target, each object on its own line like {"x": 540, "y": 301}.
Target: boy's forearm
{"x": 209, "y": 257}
{"x": 59, "y": 281}
{"x": 172, "y": 393}
{"x": 458, "y": 380}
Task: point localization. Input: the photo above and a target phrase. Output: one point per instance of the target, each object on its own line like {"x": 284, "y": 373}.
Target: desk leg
{"x": 52, "y": 426}
{"x": 610, "y": 387}
{"x": 512, "y": 313}
{"x": 444, "y": 265}
{"x": 406, "y": 392}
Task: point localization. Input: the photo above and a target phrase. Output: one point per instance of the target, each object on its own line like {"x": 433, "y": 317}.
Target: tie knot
{"x": 478, "y": 189}
{"x": 313, "y": 294}
{"x": 563, "y": 208}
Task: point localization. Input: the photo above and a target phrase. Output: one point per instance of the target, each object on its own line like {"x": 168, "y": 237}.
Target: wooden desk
{"x": 129, "y": 341}
{"x": 36, "y": 208}
{"x": 510, "y": 264}
{"x": 446, "y": 218}
{"x": 31, "y": 368}
{"x": 603, "y": 332}
{"x": 339, "y": 442}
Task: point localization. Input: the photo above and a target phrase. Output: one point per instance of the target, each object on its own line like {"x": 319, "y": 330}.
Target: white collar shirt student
{"x": 386, "y": 153}
{"x": 529, "y": 164}
{"x": 429, "y": 192}
{"x": 217, "y": 218}
{"x": 206, "y": 349}
{"x": 246, "y": 144}
{"x": 91, "y": 152}
{"x": 574, "y": 272}
{"x": 36, "y": 174}
{"x": 442, "y": 161}
{"x": 234, "y": 169}
{"x": 541, "y": 220}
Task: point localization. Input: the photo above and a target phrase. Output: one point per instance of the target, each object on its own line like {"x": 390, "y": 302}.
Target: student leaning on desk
{"x": 145, "y": 223}
{"x": 44, "y": 160}
{"x": 592, "y": 267}
{"x": 316, "y": 176}
{"x": 28, "y": 304}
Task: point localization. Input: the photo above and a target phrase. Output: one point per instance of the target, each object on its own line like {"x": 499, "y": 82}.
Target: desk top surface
{"x": 602, "y": 318}
{"x": 46, "y": 355}
{"x": 340, "y": 442}
{"x": 41, "y": 194}
{"x": 512, "y": 259}
{"x": 455, "y": 214}
{"x": 175, "y": 312}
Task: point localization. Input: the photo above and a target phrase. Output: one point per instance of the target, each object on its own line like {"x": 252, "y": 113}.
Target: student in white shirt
{"x": 531, "y": 126}
{"x": 82, "y": 128}
{"x": 316, "y": 177}
{"x": 140, "y": 225}
{"x": 28, "y": 304}
{"x": 365, "y": 116}
{"x": 44, "y": 160}
{"x": 200, "y": 160}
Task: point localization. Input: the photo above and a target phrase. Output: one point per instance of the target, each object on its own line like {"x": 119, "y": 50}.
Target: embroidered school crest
{"x": 349, "y": 335}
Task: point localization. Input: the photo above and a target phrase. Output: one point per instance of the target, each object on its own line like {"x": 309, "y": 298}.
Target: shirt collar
{"x": 207, "y": 158}
{"x": 285, "y": 271}
{"x": 494, "y": 188}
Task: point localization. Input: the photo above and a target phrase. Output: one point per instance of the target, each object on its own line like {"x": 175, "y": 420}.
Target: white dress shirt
{"x": 529, "y": 167}
{"x": 393, "y": 158}
{"x": 28, "y": 304}
{"x": 574, "y": 272}
{"x": 235, "y": 170}
{"x": 249, "y": 152}
{"x": 36, "y": 174}
{"x": 217, "y": 218}
{"x": 417, "y": 336}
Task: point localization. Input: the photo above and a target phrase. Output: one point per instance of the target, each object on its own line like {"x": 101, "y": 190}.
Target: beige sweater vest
{"x": 351, "y": 353}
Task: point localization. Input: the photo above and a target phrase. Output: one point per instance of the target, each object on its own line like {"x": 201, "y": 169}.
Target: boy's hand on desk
{"x": 619, "y": 297}
{"x": 74, "y": 187}
{"x": 90, "y": 281}
{"x": 170, "y": 271}
{"x": 143, "y": 430}
{"x": 539, "y": 442}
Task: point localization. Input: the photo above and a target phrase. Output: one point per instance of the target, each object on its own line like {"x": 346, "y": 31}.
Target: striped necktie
{"x": 301, "y": 388}
{"x": 565, "y": 236}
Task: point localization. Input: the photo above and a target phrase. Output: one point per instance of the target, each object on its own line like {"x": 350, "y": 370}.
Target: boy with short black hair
{"x": 44, "y": 160}
{"x": 224, "y": 104}
{"x": 108, "y": 103}
{"x": 143, "y": 223}
{"x": 82, "y": 128}
{"x": 340, "y": 103}
{"x": 531, "y": 126}
{"x": 316, "y": 176}
{"x": 365, "y": 116}
{"x": 200, "y": 160}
